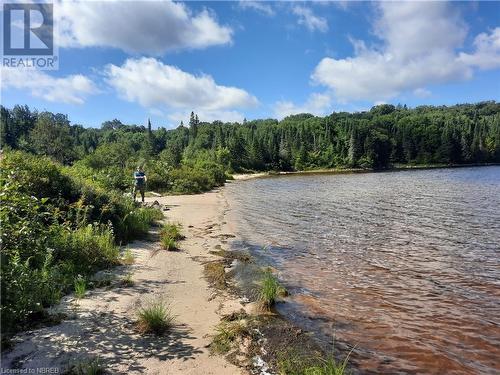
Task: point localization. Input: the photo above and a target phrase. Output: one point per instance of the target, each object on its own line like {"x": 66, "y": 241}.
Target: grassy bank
{"x": 57, "y": 229}
{"x": 264, "y": 337}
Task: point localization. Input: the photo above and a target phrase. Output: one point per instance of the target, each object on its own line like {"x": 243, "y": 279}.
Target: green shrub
{"x": 40, "y": 176}
{"x": 159, "y": 175}
{"x": 56, "y": 225}
{"x": 199, "y": 172}
{"x": 89, "y": 248}
{"x": 155, "y": 318}
{"x": 198, "y": 178}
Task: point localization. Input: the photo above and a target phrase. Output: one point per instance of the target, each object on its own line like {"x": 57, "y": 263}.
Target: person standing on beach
{"x": 140, "y": 182}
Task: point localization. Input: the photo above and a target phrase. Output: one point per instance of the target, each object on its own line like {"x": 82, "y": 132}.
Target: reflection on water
{"x": 404, "y": 265}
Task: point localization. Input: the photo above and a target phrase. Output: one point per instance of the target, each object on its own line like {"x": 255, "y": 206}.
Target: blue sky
{"x": 229, "y": 60}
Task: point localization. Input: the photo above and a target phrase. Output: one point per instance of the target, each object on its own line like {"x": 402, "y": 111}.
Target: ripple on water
{"x": 402, "y": 265}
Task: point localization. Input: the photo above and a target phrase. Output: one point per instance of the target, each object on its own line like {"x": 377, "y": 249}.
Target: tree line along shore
{"x": 199, "y": 156}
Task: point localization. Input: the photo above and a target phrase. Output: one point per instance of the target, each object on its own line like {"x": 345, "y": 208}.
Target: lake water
{"x": 402, "y": 265}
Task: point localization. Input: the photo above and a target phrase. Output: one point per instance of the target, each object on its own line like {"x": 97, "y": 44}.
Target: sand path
{"x": 103, "y": 323}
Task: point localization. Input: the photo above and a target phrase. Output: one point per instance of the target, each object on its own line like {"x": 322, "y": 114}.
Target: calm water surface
{"x": 403, "y": 265}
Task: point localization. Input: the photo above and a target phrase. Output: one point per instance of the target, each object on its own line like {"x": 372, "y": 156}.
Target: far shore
{"x": 395, "y": 168}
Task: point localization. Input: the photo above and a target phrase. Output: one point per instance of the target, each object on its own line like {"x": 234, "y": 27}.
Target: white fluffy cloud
{"x": 258, "y": 6}
{"x": 317, "y": 104}
{"x": 308, "y": 19}
{"x": 153, "y": 84}
{"x": 73, "y": 89}
{"x": 153, "y": 27}
{"x": 419, "y": 42}
{"x": 487, "y": 51}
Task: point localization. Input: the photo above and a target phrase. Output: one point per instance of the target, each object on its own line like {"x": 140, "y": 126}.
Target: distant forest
{"x": 384, "y": 137}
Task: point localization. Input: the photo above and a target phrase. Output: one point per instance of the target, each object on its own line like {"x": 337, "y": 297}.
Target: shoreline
{"x": 102, "y": 324}
{"x": 398, "y": 168}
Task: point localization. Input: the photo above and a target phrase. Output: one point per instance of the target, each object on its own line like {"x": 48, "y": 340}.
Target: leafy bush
{"x": 197, "y": 177}
{"x": 55, "y": 226}
{"x": 40, "y": 177}
{"x": 110, "y": 178}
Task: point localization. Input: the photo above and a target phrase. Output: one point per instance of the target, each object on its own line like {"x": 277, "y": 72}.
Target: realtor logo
{"x": 28, "y": 36}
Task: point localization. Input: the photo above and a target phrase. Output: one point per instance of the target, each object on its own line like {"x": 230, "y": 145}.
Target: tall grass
{"x": 90, "y": 245}
{"x": 329, "y": 366}
{"x": 169, "y": 243}
{"x": 80, "y": 287}
{"x": 137, "y": 221}
{"x": 270, "y": 290}
{"x": 293, "y": 364}
{"x": 155, "y": 318}
{"x": 169, "y": 235}
{"x": 172, "y": 230}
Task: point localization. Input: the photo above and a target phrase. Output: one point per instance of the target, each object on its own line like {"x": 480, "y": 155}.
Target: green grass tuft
{"x": 137, "y": 222}
{"x": 270, "y": 290}
{"x": 155, "y": 318}
{"x": 172, "y": 230}
{"x": 228, "y": 332}
{"x": 169, "y": 235}
{"x": 80, "y": 287}
{"x": 293, "y": 364}
{"x": 87, "y": 367}
{"x": 128, "y": 257}
{"x": 169, "y": 244}
{"x": 127, "y": 280}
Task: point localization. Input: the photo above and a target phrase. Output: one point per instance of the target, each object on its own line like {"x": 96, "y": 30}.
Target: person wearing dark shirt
{"x": 140, "y": 182}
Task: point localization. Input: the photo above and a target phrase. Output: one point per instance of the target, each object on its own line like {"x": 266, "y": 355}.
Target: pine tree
{"x": 193, "y": 126}
{"x": 353, "y": 153}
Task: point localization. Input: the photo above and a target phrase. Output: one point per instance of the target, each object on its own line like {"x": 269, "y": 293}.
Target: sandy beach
{"x": 102, "y": 324}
